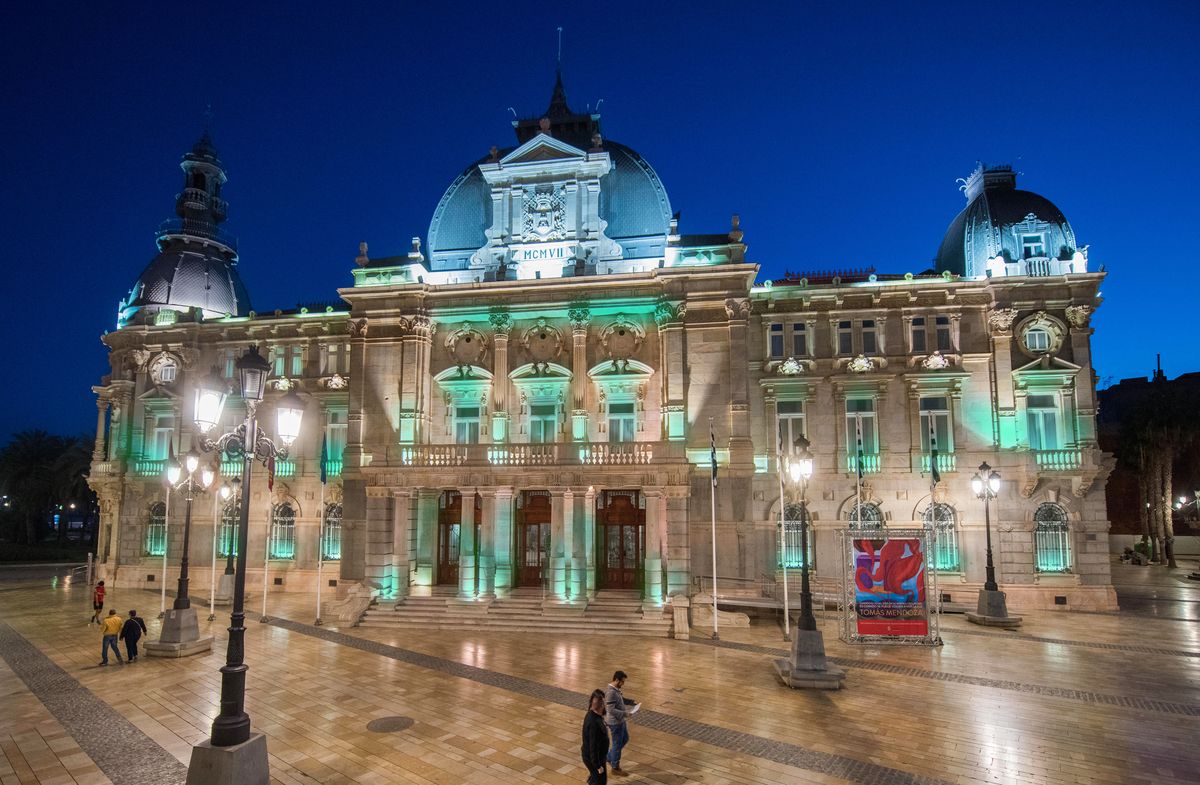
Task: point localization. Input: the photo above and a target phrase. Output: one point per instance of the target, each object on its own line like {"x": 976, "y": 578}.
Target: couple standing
{"x": 606, "y": 715}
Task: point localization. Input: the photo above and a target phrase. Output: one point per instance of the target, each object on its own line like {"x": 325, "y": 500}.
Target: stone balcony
{"x": 554, "y": 454}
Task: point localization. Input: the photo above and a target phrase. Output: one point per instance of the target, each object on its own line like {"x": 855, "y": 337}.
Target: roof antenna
{"x": 558, "y": 66}
{"x": 208, "y": 117}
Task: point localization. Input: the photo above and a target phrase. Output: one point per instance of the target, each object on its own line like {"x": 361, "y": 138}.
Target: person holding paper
{"x": 616, "y": 711}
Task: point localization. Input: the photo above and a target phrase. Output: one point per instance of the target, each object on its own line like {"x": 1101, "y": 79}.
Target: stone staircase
{"x": 523, "y": 610}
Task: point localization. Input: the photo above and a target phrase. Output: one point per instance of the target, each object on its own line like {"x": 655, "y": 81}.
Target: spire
{"x": 199, "y": 204}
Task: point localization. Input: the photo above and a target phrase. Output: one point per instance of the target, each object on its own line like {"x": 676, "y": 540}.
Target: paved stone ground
{"x": 1069, "y": 698}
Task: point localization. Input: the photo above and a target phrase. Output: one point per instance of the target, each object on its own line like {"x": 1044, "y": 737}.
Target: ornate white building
{"x": 525, "y": 399}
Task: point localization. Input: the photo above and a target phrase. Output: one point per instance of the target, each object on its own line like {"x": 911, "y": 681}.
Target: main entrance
{"x": 450, "y": 535}
{"x": 621, "y": 535}
{"x": 533, "y": 537}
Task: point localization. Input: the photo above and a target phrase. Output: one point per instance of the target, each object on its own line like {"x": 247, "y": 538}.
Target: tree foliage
{"x": 38, "y": 472}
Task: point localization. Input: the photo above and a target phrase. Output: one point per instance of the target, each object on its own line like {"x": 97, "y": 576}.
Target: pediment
{"x": 542, "y": 147}
{"x": 1046, "y": 371}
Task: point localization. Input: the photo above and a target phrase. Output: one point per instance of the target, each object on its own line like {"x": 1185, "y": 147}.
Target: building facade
{"x": 531, "y": 397}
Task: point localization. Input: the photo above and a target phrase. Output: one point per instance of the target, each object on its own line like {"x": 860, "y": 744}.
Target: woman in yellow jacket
{"x": 111, "y": 628}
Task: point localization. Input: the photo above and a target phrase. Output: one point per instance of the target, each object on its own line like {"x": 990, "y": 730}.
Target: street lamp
{"x": 807, "y": 668}
{"x": 227, "y": 748}
{"x": 991, "y": 609}
{"x": 188, "y": 484}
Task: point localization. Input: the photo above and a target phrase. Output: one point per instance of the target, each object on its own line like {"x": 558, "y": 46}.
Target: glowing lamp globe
{"x": 210, "y": 401}
{"x": 173, "y": 471}
{"x": 994, "y": 483}
{"x": 192, "y": 461}
{"x": 288, "y": 413}
{"x": 252, "y": 374}
{"x": 977, "y": 484}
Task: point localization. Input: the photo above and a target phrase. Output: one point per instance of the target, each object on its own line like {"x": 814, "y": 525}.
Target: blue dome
{"x": 1000, "y": 220}
{"x": 632, "y": 200}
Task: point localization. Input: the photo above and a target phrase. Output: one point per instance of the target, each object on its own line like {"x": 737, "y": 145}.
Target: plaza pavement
{"x": 1068, "y": 698}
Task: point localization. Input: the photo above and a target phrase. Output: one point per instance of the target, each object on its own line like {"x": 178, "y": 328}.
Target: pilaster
{"x": 579, "y": 314}
{"x": 402, "y": 531}
{"x": 656, "y": 513}
{"x": 502, "y": 544}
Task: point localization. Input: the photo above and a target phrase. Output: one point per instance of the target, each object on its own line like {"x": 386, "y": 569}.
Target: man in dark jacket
{"x": 131, "y": 633}
{"x": 595, "y": 740}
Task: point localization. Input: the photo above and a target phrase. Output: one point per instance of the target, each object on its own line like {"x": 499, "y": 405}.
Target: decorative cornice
{"x": 1079, "y": 315}
{"x": 1000, "y": 320}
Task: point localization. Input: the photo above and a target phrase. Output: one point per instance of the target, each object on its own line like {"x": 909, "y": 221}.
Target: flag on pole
{"x": 858, "y": 436}
{"x": 933, "y": 453}
{"x": 712, "y": 438}
{"x": 324, "y": 460}
{"x": 271, "y": 472}
{"x": 170, "y": 458}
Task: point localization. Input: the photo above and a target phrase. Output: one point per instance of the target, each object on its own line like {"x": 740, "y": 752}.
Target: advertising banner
{"x": 889, "y": 586}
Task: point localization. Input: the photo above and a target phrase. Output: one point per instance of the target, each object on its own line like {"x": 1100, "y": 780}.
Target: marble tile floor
{"x": 1068, "y": 698}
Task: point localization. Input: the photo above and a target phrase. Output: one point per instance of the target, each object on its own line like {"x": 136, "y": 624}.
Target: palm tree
{"x": 27, "y": 477}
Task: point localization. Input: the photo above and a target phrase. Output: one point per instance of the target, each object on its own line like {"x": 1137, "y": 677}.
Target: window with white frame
{"x": 166, "y": 373}
{"x": 865, "y": 516}
{"x": 1037, "y": 339}
{"x": 156, "y": 530}
{"x": 942, "y": 324}
{"x": 296, "y": 360}
{"x": 162, "y": 429}
{"x": 792, "y": 554}
{"x": 543, "y": 423}
{"x": 331, "y": 537}
{"x": 283, "y": 532}
{"x": 466, "y": 424}
{"x": 791, "y": 423}
{"x": 228, "y": 363}
{"x": 775, "y": 337}
{"x": 870, "y": 344}
{"x": 1032, "y": 246}
{"x": 918, "y": 335}
{"x": 860, "y": 419}
{"x": 622, "y": 422}
{"x": 227, "y": 542}
{"x": 1043, "y": 418}
{"x": 799, "y": 340}
{"x": 935, "y": 418}
{"x": 278, "y": 361}
{"x": 845, "y": 338}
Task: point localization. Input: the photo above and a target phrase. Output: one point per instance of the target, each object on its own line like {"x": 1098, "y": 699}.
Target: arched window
{"x": 283, "y": 532}
{"x": 1051, "y": 539}
{"x": 227, "y": 539}
{"x": 156, "y": 530}
{"x": 865, "y": 516}
{"x": 792, "y": 555}
{"x": 943, "y": 521}
{"x": 331, "y": 541}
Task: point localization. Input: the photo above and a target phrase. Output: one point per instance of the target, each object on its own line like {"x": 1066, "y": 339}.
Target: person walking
{"x": 110, "y": 628}
{"x": 97, "y": 602}
{"x": 595, "y": 740}
{"x": 615, "y": 713}
{"x": 131, "y": 633}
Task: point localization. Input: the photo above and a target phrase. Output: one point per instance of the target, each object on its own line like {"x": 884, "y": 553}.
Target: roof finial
{"x": 558, "y": 66}
{"x": 208, "y": 117}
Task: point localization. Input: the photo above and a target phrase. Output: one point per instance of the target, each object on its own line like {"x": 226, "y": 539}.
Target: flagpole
{"x": 858, "y": 475}
{"x": 713, "y": 498}
{"x": 320, "y": 533}
{"x": 787, "y": 619}
{"x": 162, "y": 609}
{"x": 212, "y": 576}
{"x": 266, "y": 561}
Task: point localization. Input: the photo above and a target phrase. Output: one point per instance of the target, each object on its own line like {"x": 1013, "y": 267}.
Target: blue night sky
{"x": 837, "y": 134}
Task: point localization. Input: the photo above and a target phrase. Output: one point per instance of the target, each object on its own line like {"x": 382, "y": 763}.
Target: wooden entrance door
{"x": 449, "y": 531}
{"x": 533, "y": 537}
{"x": 621, "y": 531}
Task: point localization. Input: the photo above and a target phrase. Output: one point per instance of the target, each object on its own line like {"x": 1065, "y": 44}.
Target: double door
{"x": 533, "y": 538}
{"x": 449, "y": 539}
{"x": 621, "y": 531}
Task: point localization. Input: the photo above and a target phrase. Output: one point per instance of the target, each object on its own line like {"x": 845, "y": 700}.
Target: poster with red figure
{"x": 889, "y": 587}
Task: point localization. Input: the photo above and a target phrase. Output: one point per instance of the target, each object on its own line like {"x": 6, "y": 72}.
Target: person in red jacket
{"x": 97, "y": 602}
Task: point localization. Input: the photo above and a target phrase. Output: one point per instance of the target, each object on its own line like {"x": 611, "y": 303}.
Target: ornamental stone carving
{"x": 861, "y": 364}
{"x": 336, "y": 382}
{"x": 935, "y": 362}
{"x": 467, "y": 345}
{"x": 737, "y": 309}
{"x": 1000, "y": 320}
{"x": 621, "y": 338}
{"x": 542, "y": 341}
{"x": 500, "y": 319}
{"x": 1079, "y": 315}
{"x": 544, "y": 214}
{"x": 357, "y": 328}
{"x": 790, "y": 367}
{"x": 666, "y": 312}
{"x": 164, "y": 368}
{"x": 580, "y": 314}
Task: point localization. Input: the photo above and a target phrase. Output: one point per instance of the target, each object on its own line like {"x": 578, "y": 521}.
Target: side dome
{"x": 1000, "y": 220}
{"x": 185, "y": 276}
{"x": 633, "y": 202}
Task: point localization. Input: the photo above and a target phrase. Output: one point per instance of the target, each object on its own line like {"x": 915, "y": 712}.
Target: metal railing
{"x": 193, "y": 228}
{"x": 1058, "y": 460}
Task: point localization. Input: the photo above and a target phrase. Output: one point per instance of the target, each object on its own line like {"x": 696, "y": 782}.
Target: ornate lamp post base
{"x": 808, "y": 669}
{"x": 180, "y": 635}
{"x": 241, "y": 764}
{"x": 992, "y": 611}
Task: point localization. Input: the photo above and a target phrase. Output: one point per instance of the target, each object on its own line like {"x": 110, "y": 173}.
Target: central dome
{"x": 633, "y": 201}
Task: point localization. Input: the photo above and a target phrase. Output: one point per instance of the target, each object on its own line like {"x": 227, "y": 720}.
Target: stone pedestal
{"x": 679, "y": 610}
{"x": 992, "y": 611}
{"x": 224, "y": 595}
{"x": 242, "y": 764}
{"x": 180, "y": 636}
{"x": 808, "y": 669}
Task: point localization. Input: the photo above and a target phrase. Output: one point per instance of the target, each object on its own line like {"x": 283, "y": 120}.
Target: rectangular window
{"x": 868, "y": 336}
{"x": 162, "y": 429}
{"x": 845, "y": 338}
{"x": 466, "y": 425}
{"x": 776, "y": 339}
{"x": 1043, "y": 422}
{"x": 278, "y": 361}
{"x": 543, "y": 423}
{"x": 918, "y": 335}
{"x": 936, "y": 412}
{"x": 799, "y": 340}
{"x": 335, "y": 358}
{"x": 229, "y": 363}
{"x": 296, "y": 360}
{"x": 166, "y": 374}
{"x": 860, "y": 414}
{"x": 622, "y": 422}
{"x": 1032, "y": 246}
{"x": 335, "y": 438}
{"x": 791, "y": 423}
{"x": 942, "y": 323}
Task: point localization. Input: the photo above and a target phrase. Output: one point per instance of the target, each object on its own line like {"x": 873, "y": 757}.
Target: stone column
{"x": 354, "y": 416}
{"x": 559, "y": 552}
{"x": 487, "y": 544}
{"x": 656, "y": 512}
{"x": 1000, "y": 322}
{"x": 402, "y": 502}
{"x": 679, "y": 555}
{"x": 466, "y": 546}
{"x": 98, "y": 451}
{"x": 588, "y": 576}
{"x": 501, "y": 324}
{"x": 741, "y": 448}
{"x": 427, "y": 519}
{"x": 502, "y": 543}
{"x": 579, "y": 314}
{"x": 576, "y": 577}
